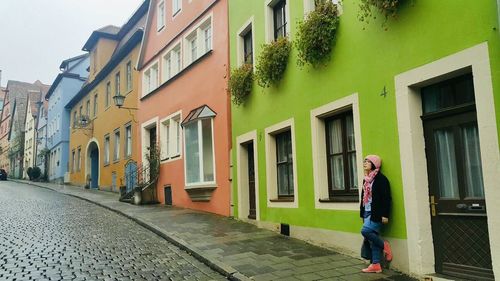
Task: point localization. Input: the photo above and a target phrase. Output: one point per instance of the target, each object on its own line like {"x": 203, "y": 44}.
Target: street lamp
{"x": 119, "y": 100}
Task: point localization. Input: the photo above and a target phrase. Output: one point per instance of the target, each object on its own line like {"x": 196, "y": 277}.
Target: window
{"x": 116, "y": 152}
{"x": 199, "y": 152}
{"x": 193, "y": 45}
{"x": 108, "y": 94}
{"x": 150, "y": 79}
{"x": 73, "y": 167}
{"x": 176, "y": 6}
{"x": 170, "y": 137}
{"x": 284, "y": 164}
{"x": 341, "y": 155}
{"x": 248, "y": 47}
{"x": 177, "y": 58}
{"x": 208, "y": 38}
{"x": 117, "y": 84}
{"x": 128, "y": 140}
{"x": 167, "y": 67}
{"x": 95, "y": 105}
{"x": 75, "y": 119}
{"x": 172, "y": 63}
{"x": 199, "y": 41}
{"x": 281, "y": 166}
{"x": 129, "y": 76}
{"x": 106, "y": 150}
{"x": 160, "y": 20}
{"x": 87, "y": 108}
{"x": 78, "y": 159}
{"x": 279, "y": 19}
{"x": 81, "y": 110}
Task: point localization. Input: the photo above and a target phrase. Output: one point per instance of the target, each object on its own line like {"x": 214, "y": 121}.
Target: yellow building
{"x": 103, "y": 136}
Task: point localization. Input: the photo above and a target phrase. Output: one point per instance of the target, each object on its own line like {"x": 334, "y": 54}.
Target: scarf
{"x": 367, "y": 185}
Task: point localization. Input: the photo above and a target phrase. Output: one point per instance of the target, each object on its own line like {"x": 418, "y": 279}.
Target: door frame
{"x": 242, "y": 175}
{"x": 413, "y": 160}
{"x": 88, "y": 160}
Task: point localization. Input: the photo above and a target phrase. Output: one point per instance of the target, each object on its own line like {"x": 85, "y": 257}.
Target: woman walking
{"x": 374, "y": 210}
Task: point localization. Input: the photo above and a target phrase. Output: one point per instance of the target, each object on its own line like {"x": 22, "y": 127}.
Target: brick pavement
{"x": 46, "y": 235}
{"x": 237, "y": 249}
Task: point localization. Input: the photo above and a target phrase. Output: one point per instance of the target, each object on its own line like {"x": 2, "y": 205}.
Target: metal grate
{"x": 463, "y": 241}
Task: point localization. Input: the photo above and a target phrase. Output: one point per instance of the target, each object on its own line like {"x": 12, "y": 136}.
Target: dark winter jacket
{"x": 381, "y": 199}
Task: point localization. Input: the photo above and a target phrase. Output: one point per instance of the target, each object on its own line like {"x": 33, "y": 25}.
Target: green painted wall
{"x": 365, "y": 59}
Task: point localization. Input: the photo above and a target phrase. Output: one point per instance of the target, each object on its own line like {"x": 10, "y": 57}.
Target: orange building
{"x": 102, "y": 135}
{"x": 184, "y": 105}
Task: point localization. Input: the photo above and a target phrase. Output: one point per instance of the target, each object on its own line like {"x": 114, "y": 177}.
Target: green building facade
{"x": 421, "y": 90}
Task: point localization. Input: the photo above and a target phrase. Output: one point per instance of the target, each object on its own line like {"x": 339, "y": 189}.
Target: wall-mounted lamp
{"x": 119, "y": 100}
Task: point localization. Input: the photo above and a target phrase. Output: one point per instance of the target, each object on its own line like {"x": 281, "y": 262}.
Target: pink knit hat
{"x": 375, "y": 159}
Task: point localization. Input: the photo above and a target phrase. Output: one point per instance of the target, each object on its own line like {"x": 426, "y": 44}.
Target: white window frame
{"x": 240, "y": 44}
{"x": 129, "y": 76}
{"x": 128, "y": 142}
{"x": 160, "y": 16}
{"x": 148, "y": 78}
{"x": 271, "y": 170}
{"x": 107, "y": 144}
{"x": 200, "y": 159}
{"x": 171, "y": 137}
{"x": 320, "y": 168}
{"x": 177, "y": 11}
{"x": 269, "y": 19}
{"x": 116, "y": 145}
{"x": 197, "y": 33}
{"x": 171, "y": 54}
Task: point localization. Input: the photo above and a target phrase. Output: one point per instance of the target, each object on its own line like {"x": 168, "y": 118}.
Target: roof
{"x": 109, "y": 31}
{"x": 65, "y": 62}
{"x": 201, "y": 112}
{"x": 129, "y": 36}
{"x": 117, "y": 33}
{"x": 18, "y": 94}
{"x": 66, "y": 73}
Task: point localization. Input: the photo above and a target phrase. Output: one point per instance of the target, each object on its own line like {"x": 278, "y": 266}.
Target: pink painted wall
{"x": 205, "y": 82}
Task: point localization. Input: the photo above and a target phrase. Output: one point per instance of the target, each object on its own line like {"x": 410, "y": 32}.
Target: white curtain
{"x": 473, "y": 169}
{"x": 446, "y": 162}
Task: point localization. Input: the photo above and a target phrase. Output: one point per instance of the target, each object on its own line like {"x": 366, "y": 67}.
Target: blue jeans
{"x": 370, "y": 232}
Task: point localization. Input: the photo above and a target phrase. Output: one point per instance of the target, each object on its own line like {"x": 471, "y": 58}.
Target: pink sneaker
{"x": 373, "y": 268}
{"x": 387, "y": 251}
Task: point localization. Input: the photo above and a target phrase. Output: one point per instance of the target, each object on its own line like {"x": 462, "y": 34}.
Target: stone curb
{"x": 222, "y": 268}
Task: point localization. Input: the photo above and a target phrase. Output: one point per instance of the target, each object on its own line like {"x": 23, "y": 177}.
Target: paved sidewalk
{"x": 239, "y": 250}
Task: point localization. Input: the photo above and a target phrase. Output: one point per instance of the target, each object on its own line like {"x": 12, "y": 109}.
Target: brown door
{"x": 251, "y": 182}
{"x": 457, "y": 200}
{"x": 456, "y": 191}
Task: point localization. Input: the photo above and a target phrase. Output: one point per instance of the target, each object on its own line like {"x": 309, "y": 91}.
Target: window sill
{"x": 340, "y": 199}
{"x": 283, "y": 199}
{"x": 176, "y": 13}
{"x": 200, "y": 192}
{"x": 106, "y": 164}
{"x": 170, "y": 159}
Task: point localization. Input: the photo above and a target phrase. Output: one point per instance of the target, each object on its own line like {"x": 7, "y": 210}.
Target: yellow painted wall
{"x": 101, "y": 53}
{"x": 107, "y": 120}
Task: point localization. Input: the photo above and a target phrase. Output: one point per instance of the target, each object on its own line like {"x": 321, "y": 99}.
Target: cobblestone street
{"x": 45, "y": 235}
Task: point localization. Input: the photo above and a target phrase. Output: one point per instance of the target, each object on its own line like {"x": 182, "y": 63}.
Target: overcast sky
{"x": 36, "y": 35}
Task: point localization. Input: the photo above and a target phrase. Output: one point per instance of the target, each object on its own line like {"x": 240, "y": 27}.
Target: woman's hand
{"x": 385, "y": 220}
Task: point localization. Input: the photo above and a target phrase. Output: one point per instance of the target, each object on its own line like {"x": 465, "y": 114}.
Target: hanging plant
{"x": 388, "y": 8}
{"x": 272, "y": 62}
{"x": 240, "y": 83}
{"x": 317, "y": 33}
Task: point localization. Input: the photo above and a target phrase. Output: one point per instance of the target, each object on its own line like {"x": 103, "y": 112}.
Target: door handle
{"x": 433, "y": 206}
{"x": 462, "y": 206}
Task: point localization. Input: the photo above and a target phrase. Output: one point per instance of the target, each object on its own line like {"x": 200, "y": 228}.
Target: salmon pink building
{"x": 184, "y": 107}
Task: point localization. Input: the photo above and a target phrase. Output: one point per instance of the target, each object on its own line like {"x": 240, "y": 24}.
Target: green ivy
{"x": 240, "y": 83}
{"x": 317, "y": 33}
{"x": 388, "y": 8}
{"x": 272, "y": 62}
